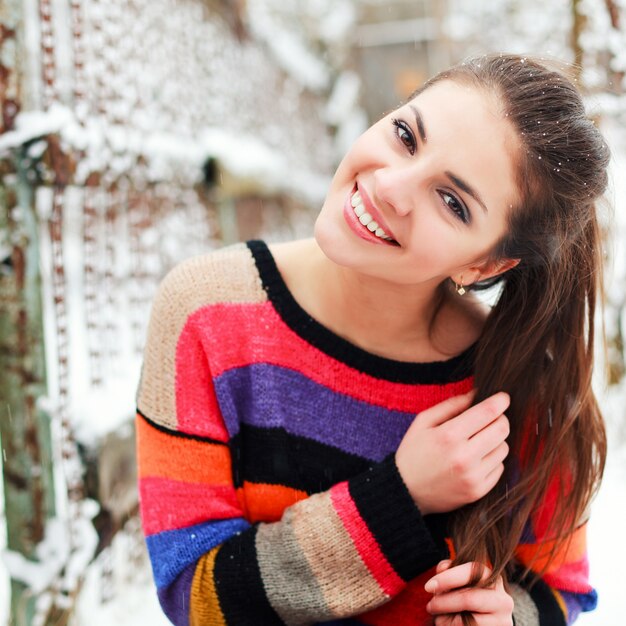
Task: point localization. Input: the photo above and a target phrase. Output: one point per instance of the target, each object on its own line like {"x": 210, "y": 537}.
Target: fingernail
{"x": 428, "y": 607}
{"x": 431, "y": 586}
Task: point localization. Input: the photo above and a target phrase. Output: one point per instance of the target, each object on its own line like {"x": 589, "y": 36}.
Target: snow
{"x": 244, "y": 156}
{"x": 34, "y": 124}
{"x": 59, "y": 554}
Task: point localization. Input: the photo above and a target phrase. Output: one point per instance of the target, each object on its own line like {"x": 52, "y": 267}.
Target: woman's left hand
{"x": 490, "y": 606}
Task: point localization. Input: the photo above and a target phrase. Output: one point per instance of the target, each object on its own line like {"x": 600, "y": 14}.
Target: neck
{"x": 376, "y": 314}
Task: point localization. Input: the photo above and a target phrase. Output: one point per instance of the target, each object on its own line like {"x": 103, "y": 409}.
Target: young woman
{"x": 338, "y": 431}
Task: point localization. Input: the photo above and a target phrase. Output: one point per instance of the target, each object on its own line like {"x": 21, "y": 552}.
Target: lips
{"x": 369, "y": 216}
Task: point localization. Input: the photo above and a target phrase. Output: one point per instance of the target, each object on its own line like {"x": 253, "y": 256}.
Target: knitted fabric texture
{"x": 268, "y": 489}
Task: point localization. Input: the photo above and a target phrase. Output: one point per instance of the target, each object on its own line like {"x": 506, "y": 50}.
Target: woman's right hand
{"x": 452, "y": 454}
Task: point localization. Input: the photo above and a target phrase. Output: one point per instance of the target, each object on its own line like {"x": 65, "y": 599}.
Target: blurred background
{"x": 135, "y": 133}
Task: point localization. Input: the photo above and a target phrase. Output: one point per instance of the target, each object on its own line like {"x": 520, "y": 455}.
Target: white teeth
{"x": 366, "y": 219}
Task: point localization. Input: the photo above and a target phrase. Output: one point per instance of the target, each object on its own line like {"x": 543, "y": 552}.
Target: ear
{"x": 494, "y": 268}
{"x": 488, "y": 269}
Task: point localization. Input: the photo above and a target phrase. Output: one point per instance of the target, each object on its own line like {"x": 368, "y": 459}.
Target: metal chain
{"x": 91, "y": 249}
{"x": 79, "y": 60}
{"x": 111, "y": 293}
{"x": 47, "y": 53}
{"x": 138, "y": 211}
{"x": 71, "y": 462}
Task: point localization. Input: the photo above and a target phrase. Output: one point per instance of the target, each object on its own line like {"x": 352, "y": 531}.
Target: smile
{"x": 367, "y": 220}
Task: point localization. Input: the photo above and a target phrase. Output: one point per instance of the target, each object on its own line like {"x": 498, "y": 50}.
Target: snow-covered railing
{"x": 134, "y": 133}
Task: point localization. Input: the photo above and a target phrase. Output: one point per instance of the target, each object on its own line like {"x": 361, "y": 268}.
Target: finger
{"x": 490, "y": 437}
{"x": 495, "y": 458}
{"x": 481, "y": 620}
{"x": 475, "y": 600}
{"x": 455, "y": 577}
{"x": 492, "y": 478}
{"x": 448, "y": 409}
{"x": 474, "y": 419}
{"x": 442, "y": 566}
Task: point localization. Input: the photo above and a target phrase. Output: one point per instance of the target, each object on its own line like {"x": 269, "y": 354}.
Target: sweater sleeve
{"x": 333, "y": 554}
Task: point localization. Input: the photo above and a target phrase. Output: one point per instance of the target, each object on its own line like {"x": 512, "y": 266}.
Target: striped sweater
{"x": 268, "y": 488}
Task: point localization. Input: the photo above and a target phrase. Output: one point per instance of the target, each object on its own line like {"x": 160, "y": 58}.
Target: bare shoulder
{"x": 292, "y": 256}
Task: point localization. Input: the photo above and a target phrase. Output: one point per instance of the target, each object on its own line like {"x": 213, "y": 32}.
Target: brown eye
{"x": 455, "y": 205}
{"x": 405, "y": 135}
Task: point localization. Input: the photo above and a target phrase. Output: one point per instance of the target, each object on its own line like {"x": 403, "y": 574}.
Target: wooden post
{"x": 24, "y": 428}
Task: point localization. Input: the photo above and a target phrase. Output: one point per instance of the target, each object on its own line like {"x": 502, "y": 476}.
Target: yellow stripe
{"x": 560, "y": 601}
{"x": 204, "y": 609}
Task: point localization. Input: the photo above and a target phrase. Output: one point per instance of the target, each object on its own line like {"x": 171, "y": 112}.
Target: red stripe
{"x": 171, "y": 504}
{"x": 197, "y": 411}
{"x": 243, "y": 334}
{"x": 408, "y": 608}
{"x": 364, "y": 541}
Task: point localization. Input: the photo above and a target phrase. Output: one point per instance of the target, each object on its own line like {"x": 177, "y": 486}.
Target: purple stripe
{"x": 271, "y": 396}
{"x": 175, "y": 599}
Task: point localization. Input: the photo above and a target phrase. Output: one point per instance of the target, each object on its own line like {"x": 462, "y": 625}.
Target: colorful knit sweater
{"x": 268, "y": 488}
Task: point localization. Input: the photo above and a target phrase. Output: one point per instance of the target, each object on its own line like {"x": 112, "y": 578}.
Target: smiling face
{"x": 423, "y": 195}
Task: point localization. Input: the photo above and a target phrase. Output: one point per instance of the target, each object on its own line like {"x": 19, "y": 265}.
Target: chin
{"x": 331, "y": 240}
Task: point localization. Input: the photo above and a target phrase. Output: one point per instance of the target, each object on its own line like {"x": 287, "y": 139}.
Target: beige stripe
{"x": 289, "y": 583}
{"x": 345, "y": 583}
{"x": 525, "y": 610}
{"x": 227, "y": 275}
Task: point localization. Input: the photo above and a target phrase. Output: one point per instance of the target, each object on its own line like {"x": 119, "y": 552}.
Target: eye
{"x": 456, "y": 206}
{"x": 405, "y": 135}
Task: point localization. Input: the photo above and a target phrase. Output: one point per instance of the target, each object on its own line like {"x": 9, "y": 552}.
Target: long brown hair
{"x": 538, "y": 340}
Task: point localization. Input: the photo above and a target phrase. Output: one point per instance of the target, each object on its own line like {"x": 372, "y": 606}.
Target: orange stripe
{"x": 266, "y": 503}
{"x": 568, "y": 552}
{"x": 204, "y": 609}
{"x": 177, "y": 458}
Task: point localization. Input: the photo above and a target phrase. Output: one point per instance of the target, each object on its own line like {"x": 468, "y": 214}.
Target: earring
{"x": 459, "y": 287}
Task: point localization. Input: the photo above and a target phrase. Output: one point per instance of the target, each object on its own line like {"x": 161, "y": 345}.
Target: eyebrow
{"x": 420, "y": 123}
{"x": 463, "y": 186}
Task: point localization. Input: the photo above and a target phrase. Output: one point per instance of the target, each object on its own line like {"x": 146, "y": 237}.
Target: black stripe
{"x": 239, "y": 585}
{"x": 387, "y": 508}
{"x": 177, "y": 433}
{"x": 440, "y": 372}
{"x": 274, "y": 456}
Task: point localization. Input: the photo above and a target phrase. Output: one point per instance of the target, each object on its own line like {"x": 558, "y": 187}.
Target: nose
{"x": 395, "y": 186}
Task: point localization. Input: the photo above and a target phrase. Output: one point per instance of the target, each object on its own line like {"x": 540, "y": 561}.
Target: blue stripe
{"x": 173, "y": 550}
{"x": 271, "y": 396}
{"x": 585, "y": 601}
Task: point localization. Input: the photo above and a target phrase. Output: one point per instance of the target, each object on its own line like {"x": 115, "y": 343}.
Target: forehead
{"x": 467, "y": 130}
